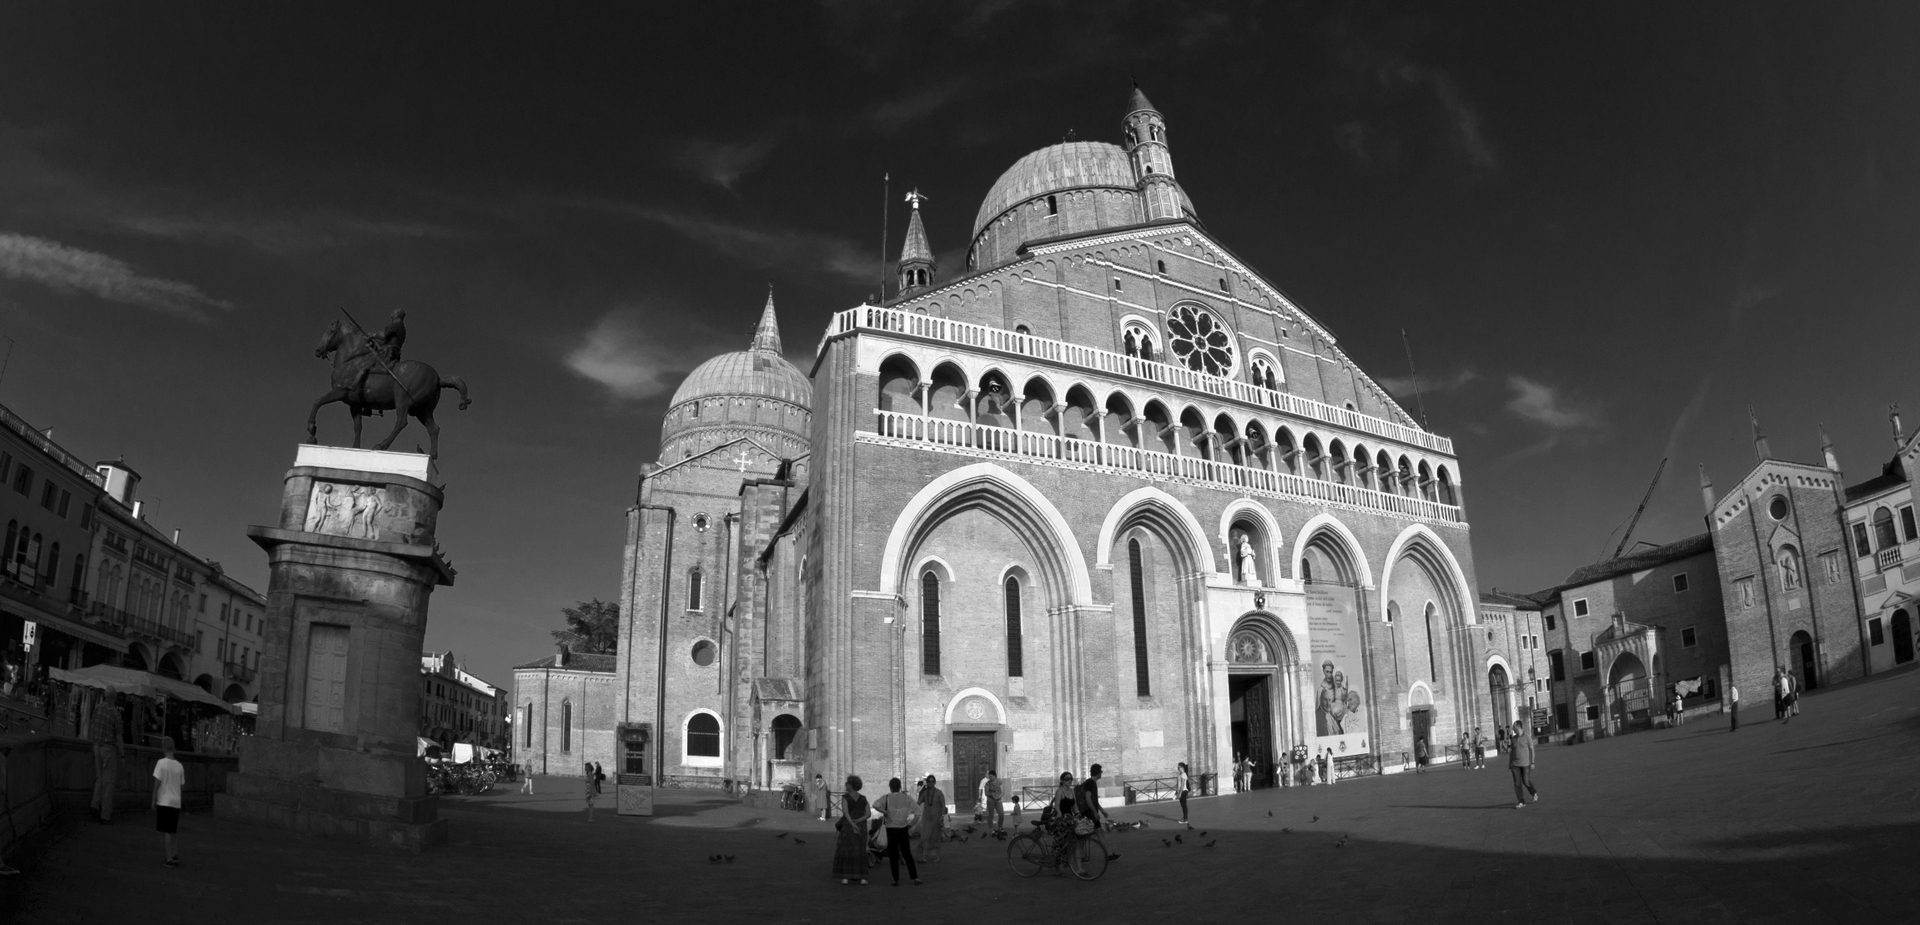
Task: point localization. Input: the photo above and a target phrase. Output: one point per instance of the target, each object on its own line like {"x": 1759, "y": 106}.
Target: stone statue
{"x": 1249, "y": 575}
{"x": 369, "y": 376}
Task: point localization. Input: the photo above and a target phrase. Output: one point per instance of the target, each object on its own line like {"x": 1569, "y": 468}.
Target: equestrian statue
{"x": 369, "y": 377}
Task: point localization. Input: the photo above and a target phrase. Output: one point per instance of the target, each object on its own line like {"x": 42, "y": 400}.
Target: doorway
{"x": 1502, "y": 694}
{"x": 1250, "y": 697}
{"x": 1421, "y": 720}
{"x": 972, "y": 759}
{"x": 1803, "y": 647}
{"x": 1902, "y": 638}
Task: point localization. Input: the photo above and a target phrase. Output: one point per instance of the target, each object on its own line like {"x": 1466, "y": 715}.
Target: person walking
{"x": 1679, "y": 708}
{"x": 897, "y": 813}
{"x": 1419, "y": 756}
{"x": 599, "y": 778}
{"x": 103, "y": 729}
{"x": 1181, "y": 787}
{"x": 1325, "y": 760}
{"x": 591, "y": 790}
{"x": 1087, "y": 797}
{"x": 1479, "y": 750}
{"x": 1520, "y": 764}
{"x": 169, "y": 776}
{"x": 526, "y": 785}
{"x": 1780, "y": 687}
{"x": 1063, "y": 795}
{"x": 850, "y": 846}
{"x": 933, "y": 820}
{"x": 1733, "y": 707}
{"x": 996, "y": 818}
{"x": 820, "y": 793}
{"x": 1793, "y": 695}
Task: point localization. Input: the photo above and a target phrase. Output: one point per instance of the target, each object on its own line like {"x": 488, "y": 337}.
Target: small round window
{"x": 703, "y": 653}
{"x": 1777, "y": 508}
{"x": 700, "y": 522}
{"x": 1201, "y": 342}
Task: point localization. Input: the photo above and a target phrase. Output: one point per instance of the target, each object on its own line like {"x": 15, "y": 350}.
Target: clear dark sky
{"x": 1607, "y": 230}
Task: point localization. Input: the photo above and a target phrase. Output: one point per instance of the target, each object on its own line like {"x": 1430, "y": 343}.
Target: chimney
{"x": 176, "y": 536}
{"x": 1899, "y": 435}
{"x": 1826, "y": 450}
{"x": 137, "y": 505}
{"x": 1706, "y": 490}
{"x": 561, "y": 660}
{"x": 121, "y": 480}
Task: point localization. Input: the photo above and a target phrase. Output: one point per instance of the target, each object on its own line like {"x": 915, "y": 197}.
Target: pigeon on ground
{"x": 1342, "y": 843}
{"x": 799, "y": 841}
{"x": 1316, "y": 818}
{"x": 1269, "y": 814}
{"x": 781, "y": 835}
{"x": 1286, "y": 829}
{"x": 1165, "y": 843}
{"x": 1211, "y": 843}
{"x": 713, "y": 859}
{"x": 730, "y": 858}
{"x": 1177, "y": 838}
{"x": 1203, "y": 835}
{"x": 1113, "y": 857}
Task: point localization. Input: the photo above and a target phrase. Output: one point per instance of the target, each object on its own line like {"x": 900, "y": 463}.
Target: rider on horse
{"x": 384, "y": 346}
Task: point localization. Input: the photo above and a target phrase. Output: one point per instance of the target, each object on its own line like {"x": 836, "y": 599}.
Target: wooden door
{"x": 1423, "y": 729}
{"x": 326, "y": 706}
{"x": 1902, "y": 638}
{"x": 972, "y": 759}
{"x": 1258, "y": 703}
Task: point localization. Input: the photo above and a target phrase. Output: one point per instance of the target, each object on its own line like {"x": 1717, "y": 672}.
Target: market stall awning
{"x": 138, "y": 683}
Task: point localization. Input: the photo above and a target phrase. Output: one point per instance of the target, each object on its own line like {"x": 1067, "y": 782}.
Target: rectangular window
{"x": 49, "y": 495}
{"x": 1874, "y": 632}
{"x": 1586, "y": 660}
{"x": 1680, "y": 583}
{"x": 6, "y": 465}
{"x": 86, "y": 516}
{"x": 1907, "y": 528}
{"x": 1861, "y": 548}
{"x": 1556, "y": 666}
{"x": 66, "y": 498}
{"x": 1593, "y": 712}
{"x": 1560, "y": 715}
{"x": 1710, "y": 688}
{"x": 1536, "y": 642}
{"x": 1116, "y": 284}
{"x": 1580, "y": 607}
{"x": 1687, "y": 638}
{"x": 220, "y": 650}
{"x": 203, "y": 603}
{"x": 23, "y": 480}
{"x": 1550, "y": 621}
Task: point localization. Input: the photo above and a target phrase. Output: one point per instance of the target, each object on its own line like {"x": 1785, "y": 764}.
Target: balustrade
{"x": 947, "y": 330}
{"x": 1889, "y": 558}
{"x": 982, "y": 438}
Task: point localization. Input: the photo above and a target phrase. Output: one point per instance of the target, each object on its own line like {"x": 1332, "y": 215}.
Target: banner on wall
{"x": 1339, "y": 706}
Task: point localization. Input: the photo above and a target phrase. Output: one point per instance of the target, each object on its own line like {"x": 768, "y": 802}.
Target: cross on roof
{"x": 743, "y": 459}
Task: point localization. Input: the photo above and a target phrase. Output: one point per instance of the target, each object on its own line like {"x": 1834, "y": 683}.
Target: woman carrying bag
{"x": 850, "y": 846}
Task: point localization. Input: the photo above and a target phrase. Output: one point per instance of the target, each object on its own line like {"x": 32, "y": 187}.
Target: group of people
{"x": 1786, "y": 699}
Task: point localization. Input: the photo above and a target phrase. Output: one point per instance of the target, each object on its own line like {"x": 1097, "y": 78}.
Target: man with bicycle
{"x": 1086, "y": 798}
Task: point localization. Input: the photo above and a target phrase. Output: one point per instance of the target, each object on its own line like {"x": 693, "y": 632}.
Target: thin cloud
{"x": 767, "y": 248}
{"x": 626, "y": 356}
{"x": 1544, "y": 405}
{"x": 1404, "y": 385}
{"x": 902, "y": 111}
{"x": 70, "y": 269}
{"x": 721, "y": 163}
{"x": 313, "y": 232}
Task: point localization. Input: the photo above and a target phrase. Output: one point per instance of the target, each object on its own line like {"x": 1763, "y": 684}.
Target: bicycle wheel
{"x": 1027, "y": 856}
{"x": 1087, "y": 858}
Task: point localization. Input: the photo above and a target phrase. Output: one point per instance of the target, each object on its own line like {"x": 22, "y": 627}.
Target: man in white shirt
{"x": 169, "y": 777}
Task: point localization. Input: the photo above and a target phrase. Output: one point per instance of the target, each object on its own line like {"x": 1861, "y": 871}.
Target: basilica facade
{"x": 1104, "y": 494}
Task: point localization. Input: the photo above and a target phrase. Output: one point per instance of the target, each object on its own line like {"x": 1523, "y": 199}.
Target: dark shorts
{"x": 166, "y": 819}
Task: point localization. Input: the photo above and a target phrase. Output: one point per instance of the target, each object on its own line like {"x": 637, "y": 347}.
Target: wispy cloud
{"x": 1544, "y": 405}
{"x": 898, "y": 113}
{"x": 1404, "y": 385}
{"x": 626, "y": 355}
{"x": 315, "y": 231}
{"x": 764, "y": 247}
{"x": 72, "y": 270}
{"x": 721, "y": 163}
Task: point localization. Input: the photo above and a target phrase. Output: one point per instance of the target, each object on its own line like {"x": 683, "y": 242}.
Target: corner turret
{"x": 916, "y": 255}
{"x": 1152, "y": 160}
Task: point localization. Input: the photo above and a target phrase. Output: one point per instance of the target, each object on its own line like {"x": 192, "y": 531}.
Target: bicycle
{"x": 1081, "y": 850}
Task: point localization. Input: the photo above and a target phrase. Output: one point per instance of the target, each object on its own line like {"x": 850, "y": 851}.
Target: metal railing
{"x": 946, "y": 330}
{"x": 1032, "y": 798}
{"x": 986, "y": 439}
{"x": 1155, "y": 789}
{"x": 239, "y": 672}
{"x": 131, "y": 623}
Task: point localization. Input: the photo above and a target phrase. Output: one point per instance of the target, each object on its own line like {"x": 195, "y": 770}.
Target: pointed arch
{"x": 1165, "y": 511}
{"x": 1007, "y": 496}
{"x": 1420, "y": 542}
{"x": 1249, "y": 509}
{"x": 1331, "y": 525}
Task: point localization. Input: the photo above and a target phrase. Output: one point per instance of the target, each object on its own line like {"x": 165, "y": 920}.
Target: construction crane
{"x": 1642, "y": 509}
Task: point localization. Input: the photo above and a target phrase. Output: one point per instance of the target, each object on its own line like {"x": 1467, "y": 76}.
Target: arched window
{"x": 1053, "y": 206}
{"x": 1883, "y": 535}
{"x": 1014, "y": 656}
{"x": 1789, "y": 568}
{"x": 786, "y": 727}
{"x": 53, "y": 570}
{"x": 566, "y": 725}
{"x": 1264, "y": 372}
{"x": 1143, "y": 685}
{"x": 703, "y": 736}
{"x": 1433, "y": 661}
{"x": 1162, "y": 265}
{"x": 6, "y": 556}
{"x": 929, "y": 623}
{"x": 27, "y": 568}
{"x": 693, "y": 588}
{"x": 79, "y": 578}
{"x": 526, "y": 725}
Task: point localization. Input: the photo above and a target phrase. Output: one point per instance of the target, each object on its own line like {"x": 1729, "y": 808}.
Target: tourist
{"x": 1087, "y": 797}
{"x": 933, "y": 820}
{"x": 996, "y": 818}
{"x": 599, "y": 777}
{"x": 897, "y": 812}
{"x": 1419, "y": 756}
{"x": 1520, "y": 764}
{"x": 592, "y": 791}
{"x": 169, "y": 776}
{"x": 1479, "y": 750}
{"x": 1733, "y": 707}
{"x": 1782, "y": 686}
{"x": 1062, "y": 796}
{"x": 820, "y": 792}
{"x": 1325, "y": 760}
{"x": 103, "y": 729}
{"x": 1793, "y": 695}
{"x": 1236, "y": 772}
{"x": 526, "y": 786}
{"x": 850, "y": 846}
{"x": 1679, "y": 708}
{"x": 1180, "y": 790}
{"x": 1243, "y": 771}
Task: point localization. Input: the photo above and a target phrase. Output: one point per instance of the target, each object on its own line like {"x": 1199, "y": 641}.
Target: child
{"x": 168, "y": 778}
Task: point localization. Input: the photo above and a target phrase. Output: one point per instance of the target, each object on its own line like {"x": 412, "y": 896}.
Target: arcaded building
{"x": 1102, "y": 494}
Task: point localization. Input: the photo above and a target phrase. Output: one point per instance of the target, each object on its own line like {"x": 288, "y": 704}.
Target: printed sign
{"x": 31, "y": 634}
{"x": 1333, "y": 632}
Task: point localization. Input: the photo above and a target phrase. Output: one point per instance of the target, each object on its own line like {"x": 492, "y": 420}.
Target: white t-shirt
{"x": 168, "y": 776}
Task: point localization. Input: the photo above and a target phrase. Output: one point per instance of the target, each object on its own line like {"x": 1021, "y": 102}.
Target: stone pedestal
{"x": 353, "y": 561}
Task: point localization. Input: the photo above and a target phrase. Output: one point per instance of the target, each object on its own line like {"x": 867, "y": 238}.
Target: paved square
{"x": 1813, "y": 821}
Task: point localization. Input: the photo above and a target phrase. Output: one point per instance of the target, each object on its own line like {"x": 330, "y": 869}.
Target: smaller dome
{"x": 779, "y": 399}
{"x": 754, "y": 373}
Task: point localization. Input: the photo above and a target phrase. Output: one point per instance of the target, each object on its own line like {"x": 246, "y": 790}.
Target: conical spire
{"x": 916, "y": 247}
{"x": 916, "y": 255}
{"x": 767, "y": 336}
{"x": 1139, "y": 102}
{"x": 1761, "y": 449}
{"x": 1826, "y": 449}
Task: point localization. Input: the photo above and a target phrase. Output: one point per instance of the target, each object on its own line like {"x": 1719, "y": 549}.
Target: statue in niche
{"x": 1249, "y": 574}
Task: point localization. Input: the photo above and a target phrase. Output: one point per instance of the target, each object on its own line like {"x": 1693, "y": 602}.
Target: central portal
{"x": 1251, "y": 696}
{"x": 972, "y": 759}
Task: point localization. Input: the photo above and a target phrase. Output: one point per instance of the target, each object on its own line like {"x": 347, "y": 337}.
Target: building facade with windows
{"x": 50, "y": 503}
{"x": 456, "y": 706}
{"x": 1104, "y": 495}
{"x": 565, "y": 709}
{"x": 1517, "y": 671}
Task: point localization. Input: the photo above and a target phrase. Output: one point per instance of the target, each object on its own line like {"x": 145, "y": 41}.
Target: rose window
{"x": 1199, "y": 341}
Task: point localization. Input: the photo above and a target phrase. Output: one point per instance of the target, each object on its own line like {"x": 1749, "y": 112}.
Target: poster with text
{"x": 1339, "y": 681}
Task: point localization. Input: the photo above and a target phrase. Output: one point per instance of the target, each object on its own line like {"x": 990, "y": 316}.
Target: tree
{"x": 592, "y": 626}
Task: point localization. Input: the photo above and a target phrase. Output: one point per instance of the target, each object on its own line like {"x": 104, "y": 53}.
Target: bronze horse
{"x": 422, "y": 385}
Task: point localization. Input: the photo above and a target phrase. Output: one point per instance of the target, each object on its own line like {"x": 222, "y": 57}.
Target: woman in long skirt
{"x": 850, "y": 846}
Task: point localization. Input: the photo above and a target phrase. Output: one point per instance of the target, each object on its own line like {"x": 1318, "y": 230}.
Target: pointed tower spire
{"x": 1760, "y": 447}
{"x": 916, "y": 255}
{"x": 1826, "y": 449}
{"x": 766, "y": 337}
{"x": 1706, "y": 490}
{"x": 1152, "y": 161}
{"x": 1899, "y": 433}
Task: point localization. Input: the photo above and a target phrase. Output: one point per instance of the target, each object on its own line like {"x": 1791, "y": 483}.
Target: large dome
{"x": 1065, "y": 166}
{"x": 753, "y": 393}
{"x": 1096, "y": 186}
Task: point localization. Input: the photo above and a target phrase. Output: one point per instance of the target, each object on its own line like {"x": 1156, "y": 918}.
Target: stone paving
{"x": 1809, "y": 822}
